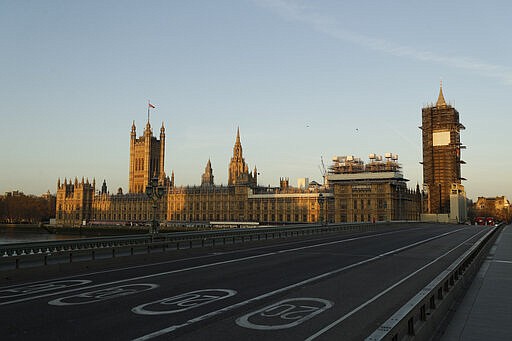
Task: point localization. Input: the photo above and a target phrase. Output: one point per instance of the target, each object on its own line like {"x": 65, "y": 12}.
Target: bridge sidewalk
{"x": 485, "y": 313}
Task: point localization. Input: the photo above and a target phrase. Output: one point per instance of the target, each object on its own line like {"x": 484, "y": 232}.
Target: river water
{"x": 10, "y": 234}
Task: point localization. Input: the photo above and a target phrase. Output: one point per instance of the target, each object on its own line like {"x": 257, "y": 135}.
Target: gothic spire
{"x": 440, "y": 100}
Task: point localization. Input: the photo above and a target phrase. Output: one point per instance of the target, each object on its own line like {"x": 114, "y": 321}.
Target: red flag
{"x": 151, "y": 105}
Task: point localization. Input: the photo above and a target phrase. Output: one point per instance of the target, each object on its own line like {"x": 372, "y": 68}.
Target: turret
{"x": 133, "y": 134}
{"x": 161, "y": 175}
{"x": 104, "y": 187}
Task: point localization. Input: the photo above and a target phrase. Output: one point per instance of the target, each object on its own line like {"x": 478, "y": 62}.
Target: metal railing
{"x": 16, "y": 255}
{"x": 420, "y": 317}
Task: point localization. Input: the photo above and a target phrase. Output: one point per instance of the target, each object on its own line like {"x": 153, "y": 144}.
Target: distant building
{"x": 14, "y": 194}
{"x": 241, "y": 200}
{"x": 354, "y": 192}
{"x": 441, "y": 153}
{"x": 497, "y": 207}
{"x": 303, "y": 183}
{"x": 375, "y": 191}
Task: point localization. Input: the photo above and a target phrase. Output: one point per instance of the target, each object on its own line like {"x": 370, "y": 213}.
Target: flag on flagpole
{"x": 151, "y": 105}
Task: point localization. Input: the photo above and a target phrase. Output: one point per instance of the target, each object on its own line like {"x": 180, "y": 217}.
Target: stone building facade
{"x": 372, "y": 192}
{"x": 352, "y": 197}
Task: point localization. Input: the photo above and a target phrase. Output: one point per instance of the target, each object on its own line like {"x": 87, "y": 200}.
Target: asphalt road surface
{"x": 333, "y": 286}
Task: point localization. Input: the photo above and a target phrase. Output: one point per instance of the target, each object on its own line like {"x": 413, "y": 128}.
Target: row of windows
{"x": 363, "y": 218}
{"x": 240, "y": 205}
{"x": 363, "y": 204}
{"x": 250, "y": 217}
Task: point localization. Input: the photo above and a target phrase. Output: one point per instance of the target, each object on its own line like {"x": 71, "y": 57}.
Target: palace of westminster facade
{"x": 353, "y": 191}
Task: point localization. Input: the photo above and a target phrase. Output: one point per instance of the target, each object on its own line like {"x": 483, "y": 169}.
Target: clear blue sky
{"x": 302, "y": 79}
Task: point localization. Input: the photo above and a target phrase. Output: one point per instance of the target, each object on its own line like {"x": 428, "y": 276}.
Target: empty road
{"x": 321, "y": 287}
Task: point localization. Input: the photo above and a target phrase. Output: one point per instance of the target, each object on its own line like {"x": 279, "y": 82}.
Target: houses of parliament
{"x": 353, "y": 190}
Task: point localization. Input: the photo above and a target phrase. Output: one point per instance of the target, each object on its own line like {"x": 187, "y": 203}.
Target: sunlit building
{"x": 441, "y": 153}
{"x": 242, "y": 200}
{"x": 373, "y": 191}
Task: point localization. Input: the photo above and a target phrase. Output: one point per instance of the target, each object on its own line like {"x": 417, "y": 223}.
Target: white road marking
{"x": 211, "y": 255}
{"x": 284, "y": 314}
{"x": 103, "y": 294}
{"x": 25, "y": 290}
{"x": 183, "y": 302}
{"x": 286, "y": 288}
{"x": 502, "y": 261}
{"x": 382, "y": 293}
{"x": 212, "y": 265}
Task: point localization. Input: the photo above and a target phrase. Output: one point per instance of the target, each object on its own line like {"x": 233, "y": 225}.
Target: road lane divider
{"x": 310, "y": 280}
{"x": 209, "y": 265}
{"x": 421, "y": 316}
{"x": 387, "y": 290}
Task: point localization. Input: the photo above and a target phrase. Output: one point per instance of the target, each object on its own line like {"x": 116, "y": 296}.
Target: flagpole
{"x": 148, "y": 109}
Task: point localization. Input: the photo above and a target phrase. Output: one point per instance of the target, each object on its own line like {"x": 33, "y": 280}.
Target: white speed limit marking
{"x": 183, "y": 302}
{"x": 284, "y": 314}
{"x": 102, "y": 294}
{"x": 32, "y": 289}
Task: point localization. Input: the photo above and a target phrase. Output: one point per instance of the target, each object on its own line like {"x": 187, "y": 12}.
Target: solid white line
{"x": 502, "y": 261}
{"x": 286, "y": 288}
{"x": 382, "y": 293}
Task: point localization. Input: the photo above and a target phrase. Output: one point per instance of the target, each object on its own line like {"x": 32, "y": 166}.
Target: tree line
{"x": 26, "y": 209}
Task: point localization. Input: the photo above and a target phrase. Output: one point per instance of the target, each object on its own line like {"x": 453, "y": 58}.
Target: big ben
{"x": 441, "y": 153}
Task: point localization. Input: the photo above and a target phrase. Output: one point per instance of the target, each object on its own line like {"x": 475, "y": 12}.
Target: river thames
{"x": 10, "y": 234}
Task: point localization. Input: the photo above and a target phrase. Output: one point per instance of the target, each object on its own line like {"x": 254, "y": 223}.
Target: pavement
{"x": 485, "y": 312}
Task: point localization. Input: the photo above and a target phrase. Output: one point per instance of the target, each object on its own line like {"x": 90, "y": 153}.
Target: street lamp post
{"x": 322, "y": 213}
{"x": 155, "y": 193}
